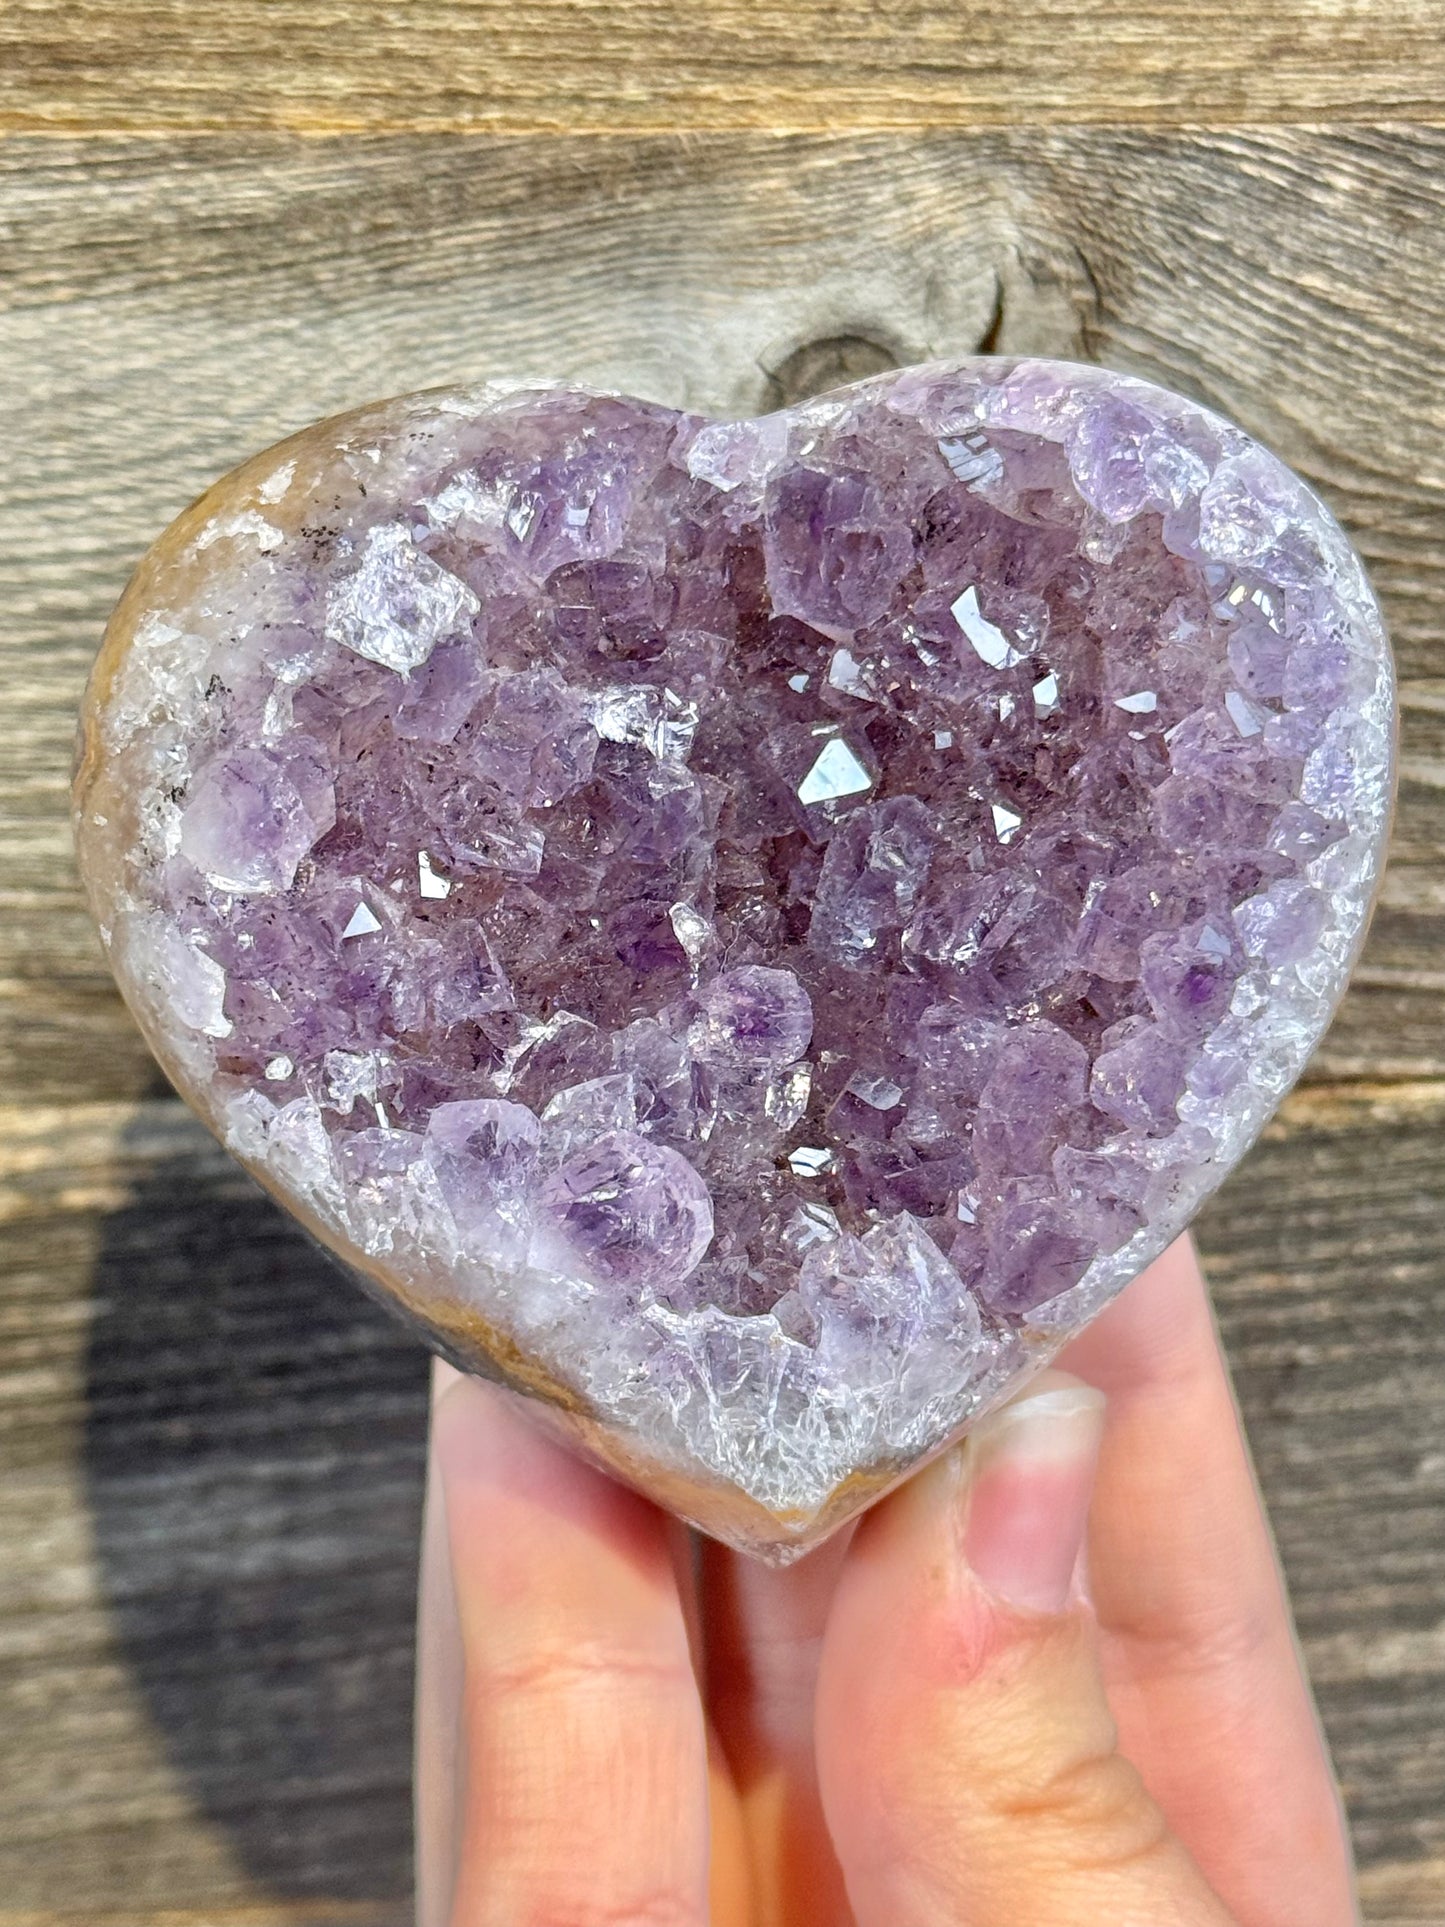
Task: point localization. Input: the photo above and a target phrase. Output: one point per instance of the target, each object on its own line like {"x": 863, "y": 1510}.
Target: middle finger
{"x": 762, "y": 1634}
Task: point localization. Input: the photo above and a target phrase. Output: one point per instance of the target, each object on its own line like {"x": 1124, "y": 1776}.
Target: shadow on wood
{"x": 254, "y": 1456}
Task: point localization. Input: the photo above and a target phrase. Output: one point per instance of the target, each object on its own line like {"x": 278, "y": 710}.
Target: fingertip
{"x": 1031, "y": 1480}
{"x": 482, "y": 1449}
{"x": 583, "y": 1777}
{"x": 443, "y": 1375}
{"x": 1007, "y": 1505}
{"x": 967, "y": 1751}
{"x": 524, "y": 1503}
{"x": 1159, "y": 1331}
{"x": 976, "y": 1555}
{"x": 470, "y": 1426}
{"x": 1196, "y": 1636}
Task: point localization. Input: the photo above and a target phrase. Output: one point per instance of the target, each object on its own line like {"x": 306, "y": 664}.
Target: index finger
{"x": 581, "y": 1780}
{"x": 1204, "y": 1673}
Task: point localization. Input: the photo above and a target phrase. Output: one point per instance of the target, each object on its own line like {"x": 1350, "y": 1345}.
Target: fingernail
{"x": 1030, "y": 1476}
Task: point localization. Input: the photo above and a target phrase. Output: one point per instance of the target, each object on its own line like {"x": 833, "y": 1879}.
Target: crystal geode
{"x": 748, "y": 932}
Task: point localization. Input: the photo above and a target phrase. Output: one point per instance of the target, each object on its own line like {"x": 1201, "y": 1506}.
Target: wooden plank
{"x": 237, "y": 288}
{"x": 214, "y": 1461}
{"x": 1407, "y": 1896}
{"x": 821, "y": 65}
{"x": 208, "y": 1526}
{"x": 275, "y": 1913}
{"x": 1325, "y": 1259}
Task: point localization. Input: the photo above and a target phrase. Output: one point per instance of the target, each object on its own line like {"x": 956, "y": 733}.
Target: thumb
{"x": 967, "y": 1756}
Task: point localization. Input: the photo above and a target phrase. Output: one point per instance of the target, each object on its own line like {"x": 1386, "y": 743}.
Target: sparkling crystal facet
{"x": 751, "y": 932}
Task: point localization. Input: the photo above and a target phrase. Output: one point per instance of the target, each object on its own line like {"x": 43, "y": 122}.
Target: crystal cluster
{"x": 753, "y": 930}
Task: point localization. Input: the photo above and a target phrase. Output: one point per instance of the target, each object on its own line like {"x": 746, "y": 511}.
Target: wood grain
{"x": 213, "y": 1450}
{"x": 211, "y": 1444}
{"x": 106, "y": 66}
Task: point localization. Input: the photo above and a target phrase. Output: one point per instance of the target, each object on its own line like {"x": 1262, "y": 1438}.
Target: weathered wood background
{"x": 217, "y": 223}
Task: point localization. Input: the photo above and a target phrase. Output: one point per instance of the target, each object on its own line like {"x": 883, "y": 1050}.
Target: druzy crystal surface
{"x": 750, "y": 931}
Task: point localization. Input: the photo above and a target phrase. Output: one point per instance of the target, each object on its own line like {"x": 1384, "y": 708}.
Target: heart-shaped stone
{"x": 748, "y": 932}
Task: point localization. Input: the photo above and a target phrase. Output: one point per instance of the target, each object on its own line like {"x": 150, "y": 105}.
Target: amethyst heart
{"x": 750, "y": 932}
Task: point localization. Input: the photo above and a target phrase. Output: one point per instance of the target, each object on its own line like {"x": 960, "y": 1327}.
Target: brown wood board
{"x": 562, "y": 66}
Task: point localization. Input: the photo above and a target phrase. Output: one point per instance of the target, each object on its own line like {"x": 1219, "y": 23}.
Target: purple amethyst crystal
{"x": 752, "y": 931}
{"x": 752, "y": 1017}
{"x": 484, "y": 1152}
{"x": 629, "y": 1214}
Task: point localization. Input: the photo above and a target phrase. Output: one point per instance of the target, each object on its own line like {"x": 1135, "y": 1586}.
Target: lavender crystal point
{"x": 631, "y": 1214}
{"x": 752, "y": 1016}
{"x": 751, "y": 932}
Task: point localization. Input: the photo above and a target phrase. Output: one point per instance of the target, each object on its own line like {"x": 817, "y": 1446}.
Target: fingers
{"x": 581, "y": 1791}
{"x": 730, "y": 1878}
{"x": 763, "y": 1631}
{"x": 967, "y": 1755}
{"x": 1199, "y": 1654}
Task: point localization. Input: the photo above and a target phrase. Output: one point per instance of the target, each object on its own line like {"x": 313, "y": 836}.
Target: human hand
{"x": 958, "y": 1715}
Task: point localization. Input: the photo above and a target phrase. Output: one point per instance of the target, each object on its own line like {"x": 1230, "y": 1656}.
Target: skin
{"x": 1053, "y": 1679}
